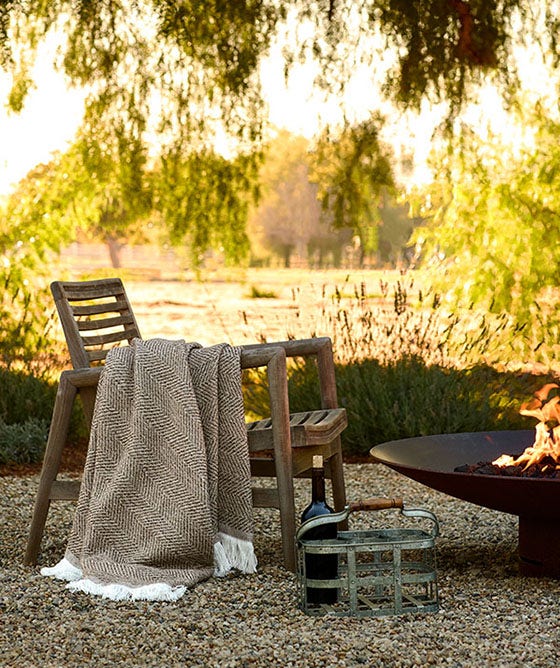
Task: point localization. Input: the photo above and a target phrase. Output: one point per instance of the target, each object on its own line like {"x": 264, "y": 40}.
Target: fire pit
{"x": 431, "y": 460}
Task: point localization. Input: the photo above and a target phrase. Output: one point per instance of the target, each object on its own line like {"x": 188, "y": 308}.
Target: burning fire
{"x": 547, "y": 438}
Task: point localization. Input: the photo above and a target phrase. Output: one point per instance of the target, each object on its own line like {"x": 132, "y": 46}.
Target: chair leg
{"x": 58, "y": 434}
{"x": 337, "y": 482}
{"x": 337, "y": 479}
{"x": 280, "y": 414}
{"x": 287, "y": 518}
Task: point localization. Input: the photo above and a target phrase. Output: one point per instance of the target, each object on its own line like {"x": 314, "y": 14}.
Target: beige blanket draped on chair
{"x": 165, "y": 500}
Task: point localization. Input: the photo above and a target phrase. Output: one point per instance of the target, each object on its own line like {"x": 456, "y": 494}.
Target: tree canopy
{"x": 198, "y": 62}
{"x": 492, "y": 230}
{"x": 353, "y": 172}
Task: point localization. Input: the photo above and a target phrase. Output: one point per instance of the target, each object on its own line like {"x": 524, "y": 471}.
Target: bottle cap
{"x": 317, "y": 461}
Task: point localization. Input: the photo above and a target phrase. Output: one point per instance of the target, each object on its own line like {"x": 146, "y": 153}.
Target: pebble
{"x": 489, "y": 615}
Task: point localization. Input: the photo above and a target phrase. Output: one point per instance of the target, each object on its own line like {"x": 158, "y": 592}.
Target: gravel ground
{"x": 489, "y": 616}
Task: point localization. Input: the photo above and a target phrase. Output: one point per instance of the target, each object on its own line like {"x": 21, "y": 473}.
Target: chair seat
{"x": 306, "y": 429}
{"x": 311, "y": 433}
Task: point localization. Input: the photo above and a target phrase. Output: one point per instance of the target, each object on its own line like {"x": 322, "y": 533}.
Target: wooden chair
{"x": 96, "y": 315}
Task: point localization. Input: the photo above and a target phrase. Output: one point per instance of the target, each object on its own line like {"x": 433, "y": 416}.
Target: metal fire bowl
{"x": 431, "y": 460}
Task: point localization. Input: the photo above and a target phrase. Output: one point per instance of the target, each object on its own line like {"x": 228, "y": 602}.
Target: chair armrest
{"x": 87, "y": 377}
{"x": 294, "y": 347}
{"x": 321, "y": 348}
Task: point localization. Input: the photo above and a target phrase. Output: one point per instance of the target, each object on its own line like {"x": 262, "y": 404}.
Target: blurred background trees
{"x": 176, "y": 147}
{"x": 175, "y": 142}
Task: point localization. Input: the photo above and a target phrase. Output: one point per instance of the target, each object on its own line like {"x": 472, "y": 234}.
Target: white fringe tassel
{"x": 158, "y": 591}
{"x": 64, "y": 570}
{"x": 231, "y": 553}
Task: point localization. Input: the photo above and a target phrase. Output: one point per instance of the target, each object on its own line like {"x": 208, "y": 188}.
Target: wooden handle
{"x": 377, "y": 503}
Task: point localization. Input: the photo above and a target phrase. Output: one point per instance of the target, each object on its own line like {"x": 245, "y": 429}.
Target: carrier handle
{"x": 424, "y": 514}
{"x": 375, "y": 503}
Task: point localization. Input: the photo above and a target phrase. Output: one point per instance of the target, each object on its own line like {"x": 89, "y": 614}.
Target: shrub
{"x": 23, "y": 395}
{"x": 23, "y": 443}
{"x": 410, "y": 369}
{"x": 259, "y": 293}
{"x": 26, "y": 404}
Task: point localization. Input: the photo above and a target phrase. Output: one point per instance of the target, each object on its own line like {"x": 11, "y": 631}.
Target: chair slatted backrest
{"x": 96, "y": 316}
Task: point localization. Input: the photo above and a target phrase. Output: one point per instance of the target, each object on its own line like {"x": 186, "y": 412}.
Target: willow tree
{"x": 188, "y": 71}
{"x": 492, "y": 232}
{"x": 353, "y": 171}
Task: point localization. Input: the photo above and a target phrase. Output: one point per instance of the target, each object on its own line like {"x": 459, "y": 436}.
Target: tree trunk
{"x": 114, "y": 252}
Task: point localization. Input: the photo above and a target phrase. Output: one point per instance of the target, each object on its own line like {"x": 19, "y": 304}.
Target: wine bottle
{"x": 320, "y": 566}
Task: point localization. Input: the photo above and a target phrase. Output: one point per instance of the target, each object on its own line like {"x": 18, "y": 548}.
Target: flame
{"x": 547, "y": 436}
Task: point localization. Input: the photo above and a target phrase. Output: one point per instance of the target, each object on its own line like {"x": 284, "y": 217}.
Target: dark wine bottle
{"x": 320, "y": 566}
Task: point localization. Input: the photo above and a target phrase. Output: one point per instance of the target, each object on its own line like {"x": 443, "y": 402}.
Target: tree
{"x": 289, "y": 219}
{"x": 112, "y": 191}
{"x": 353, "y": 171}
{"x": 288, "y": 212}
{"x": 204, "y": 199}
{"x": 494, "y": 232}
{"x": 395, "y": 231}
{"x": 33, "y": 225}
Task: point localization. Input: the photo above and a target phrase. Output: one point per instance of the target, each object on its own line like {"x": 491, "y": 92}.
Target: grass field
{"x": 379, "y": 314}
{"x": 234, "y": 305}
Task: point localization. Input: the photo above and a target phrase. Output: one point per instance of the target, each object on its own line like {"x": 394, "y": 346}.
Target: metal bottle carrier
{"x": 380, "y": 572}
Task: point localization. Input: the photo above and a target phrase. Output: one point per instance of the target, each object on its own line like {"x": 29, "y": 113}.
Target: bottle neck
{"x": 318, "y": 484}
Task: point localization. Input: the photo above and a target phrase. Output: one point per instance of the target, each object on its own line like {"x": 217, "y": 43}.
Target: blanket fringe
{"x": 64, "y": 570}
{"x": 158, "y": 591}
{"x": 230, "y": 552}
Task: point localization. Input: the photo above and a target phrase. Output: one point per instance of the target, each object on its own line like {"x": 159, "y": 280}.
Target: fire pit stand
{"x": 431, "y": 460}
{"x": 539, "y": 547}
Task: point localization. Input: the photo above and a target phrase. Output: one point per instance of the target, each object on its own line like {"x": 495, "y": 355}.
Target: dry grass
{"x": 376, "y": 314}
{"x": 223, "y": 307}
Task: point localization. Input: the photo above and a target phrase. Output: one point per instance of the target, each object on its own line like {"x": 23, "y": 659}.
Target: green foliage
{"x": 204, "y": 200}
{"x": 493, "y": 237}
{"x": 23, "y": 395}
{"x": 34, "y": 223}
{"x": 178, "y": 64}
{"x": 36, "y": 218}
{"x": 178, "y": 76}
{"x": 26, "y": 405}
{"x": 353, "y": 171}
{"x": 259, "y": 293}
{"x": 25, "y": 410}
{"x": 107, "y": 173}
{"x": 20, "y": 89}
{"x": 23, "y": 443}
{"x": 187, "y": 64}
{"x": 445, "y": 45}
{"x": 25, "y": 335}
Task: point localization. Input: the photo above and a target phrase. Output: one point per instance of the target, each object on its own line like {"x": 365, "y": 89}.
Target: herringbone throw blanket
{"x": 165, "y": 500}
